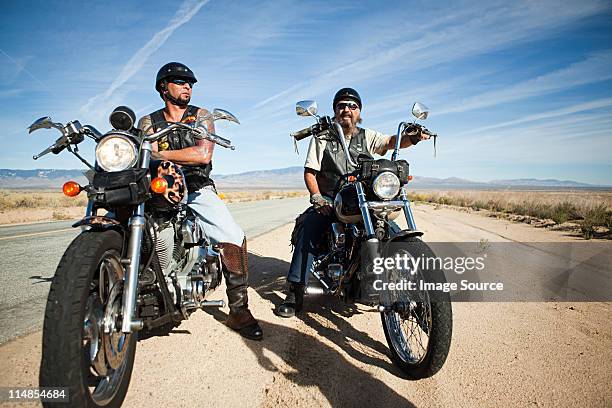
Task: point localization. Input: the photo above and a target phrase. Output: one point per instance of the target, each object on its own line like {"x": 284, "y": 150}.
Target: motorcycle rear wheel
{"x": 85, "y": 297}
{"x": 419, "y": 339}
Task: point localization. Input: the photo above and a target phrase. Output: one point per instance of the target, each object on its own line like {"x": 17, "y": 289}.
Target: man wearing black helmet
{"x": 325, "y": 165}
{"x": 174, "y": 83}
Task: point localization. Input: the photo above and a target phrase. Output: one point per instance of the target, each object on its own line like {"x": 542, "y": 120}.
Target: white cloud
{"x": 595, "y": 68}
{"x": 474, "y": 32}
{"x": 581, "y": 107}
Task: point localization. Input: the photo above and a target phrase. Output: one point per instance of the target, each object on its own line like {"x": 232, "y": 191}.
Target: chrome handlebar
{"x": 200, "y": 133}
{"x": 73, "y": 132}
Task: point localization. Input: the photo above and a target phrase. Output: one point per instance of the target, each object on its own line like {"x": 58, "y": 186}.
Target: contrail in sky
{"x": 185, "y": 13}
{"x": 24, "y": 69}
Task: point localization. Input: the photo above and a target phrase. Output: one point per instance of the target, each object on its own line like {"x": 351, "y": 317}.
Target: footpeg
{"x": 212, "y": 303}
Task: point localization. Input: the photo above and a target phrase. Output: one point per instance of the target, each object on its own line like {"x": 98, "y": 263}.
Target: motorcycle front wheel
{"x": 419, "y": 336}
{"x": 84, "y": 349}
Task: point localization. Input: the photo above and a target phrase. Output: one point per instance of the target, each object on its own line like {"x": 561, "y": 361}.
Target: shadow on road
{"x": 41, "y": 279}
{"x": 162, "y": 331}
{"x": 313, "y": 363}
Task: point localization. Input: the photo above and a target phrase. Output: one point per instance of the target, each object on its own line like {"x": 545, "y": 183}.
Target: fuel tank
{"x": 346, "y": 205}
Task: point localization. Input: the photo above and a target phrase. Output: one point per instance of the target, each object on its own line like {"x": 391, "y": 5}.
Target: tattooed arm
{"x": 196, "y": 155}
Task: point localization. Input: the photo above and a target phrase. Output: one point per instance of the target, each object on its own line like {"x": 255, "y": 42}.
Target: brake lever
{"x": 224, "y": 143}
{"x": 221, "y": 141}
{"x": 435, "y": 137}
{"x": 431, "y": 135}
{"x": 44, "y": 152}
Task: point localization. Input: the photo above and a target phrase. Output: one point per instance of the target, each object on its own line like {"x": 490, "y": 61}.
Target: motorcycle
{"x": 416, "y": 321}
{"x": 138, "y": 270}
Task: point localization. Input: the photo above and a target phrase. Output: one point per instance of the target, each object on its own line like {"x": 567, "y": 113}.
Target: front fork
{"x": 367, "y": 219}
{"x": 372, "y": 242}
{"x": 137, "y": 226}
{"x": 408, "y": 211}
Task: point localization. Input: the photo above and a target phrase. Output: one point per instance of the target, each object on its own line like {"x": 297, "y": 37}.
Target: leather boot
{"x": 236, "y": 273}
{"x": 293, "y": 302}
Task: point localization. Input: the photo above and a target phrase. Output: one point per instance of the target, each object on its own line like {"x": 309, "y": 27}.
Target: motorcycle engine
{"x": 165, "y": 246}
{"x": 190, "y": 265}
{"x": 200, "y": 270}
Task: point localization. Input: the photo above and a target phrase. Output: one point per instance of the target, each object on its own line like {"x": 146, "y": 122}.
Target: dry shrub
{"x": 564, "y": 212}
{"x": 479, "y": 205}
{"x": 13, "y": 200}
{"x": 592, "y": 218}
{"x": 590, "y": 208}
{"x": 60, "y": 215}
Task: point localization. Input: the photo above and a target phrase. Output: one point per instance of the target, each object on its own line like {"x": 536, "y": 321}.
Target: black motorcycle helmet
{"x": 173, "y": 70}
{"x": 347, "y": 94}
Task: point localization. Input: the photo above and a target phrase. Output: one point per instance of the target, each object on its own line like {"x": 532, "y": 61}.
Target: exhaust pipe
{"x": 212, "y": 303}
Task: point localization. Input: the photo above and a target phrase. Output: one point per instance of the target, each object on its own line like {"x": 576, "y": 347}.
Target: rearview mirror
{"x": 222, "y": 114}
{"x": 420, "y": 111}
{"x": 42, "y": 123}
{"x": 306, "y": 108}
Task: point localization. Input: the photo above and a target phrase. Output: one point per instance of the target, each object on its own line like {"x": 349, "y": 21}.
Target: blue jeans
{"x": 310, "y": 236}
{"x": 218, "y": 223}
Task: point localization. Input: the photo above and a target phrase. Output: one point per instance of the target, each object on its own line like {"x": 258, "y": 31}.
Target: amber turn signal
{"x": 159, "y": 185}
{"x": 71, "y": 188}
{"x": 409, "y": 178}
{"x": 351, "y": 179}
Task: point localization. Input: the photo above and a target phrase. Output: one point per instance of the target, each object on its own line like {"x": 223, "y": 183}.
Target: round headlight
{"x": 116, "y": 153}
{"x": 386, "y": 185}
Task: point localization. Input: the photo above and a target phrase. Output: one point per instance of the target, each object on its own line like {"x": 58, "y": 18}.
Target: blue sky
{"x": 517, "y": 89}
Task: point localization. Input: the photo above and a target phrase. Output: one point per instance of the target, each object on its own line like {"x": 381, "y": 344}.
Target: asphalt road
{"x": 30, "y": 253}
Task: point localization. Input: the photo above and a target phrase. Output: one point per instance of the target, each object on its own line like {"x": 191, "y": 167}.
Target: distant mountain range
{"x": 290, "y": 178}
{"x": 39, "y": 178}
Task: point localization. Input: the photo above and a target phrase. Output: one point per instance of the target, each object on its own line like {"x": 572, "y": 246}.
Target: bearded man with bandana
{"x": 326, "y": 165}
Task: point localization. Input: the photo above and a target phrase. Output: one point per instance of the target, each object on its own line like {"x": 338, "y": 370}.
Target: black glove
{"x": 415, "y": 133}
{"x": 318, "y": 201}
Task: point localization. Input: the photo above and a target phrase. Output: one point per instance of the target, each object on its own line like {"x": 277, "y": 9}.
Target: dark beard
{"x": 183, "y": 101}
{"x": 350, "y": 130}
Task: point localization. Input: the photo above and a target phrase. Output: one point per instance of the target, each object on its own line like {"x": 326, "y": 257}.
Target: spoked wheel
{"x": 83, "y": 346}
{"x": 418, "y": 329}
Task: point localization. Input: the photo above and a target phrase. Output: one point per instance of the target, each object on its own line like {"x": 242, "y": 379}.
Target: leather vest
{"x": 196, "y": 176}
{"x": 335, "y": 166}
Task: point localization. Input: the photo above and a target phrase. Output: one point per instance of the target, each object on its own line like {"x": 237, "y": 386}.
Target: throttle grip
{"x": 302, "y": 134}
{"x": 428, "y": 132}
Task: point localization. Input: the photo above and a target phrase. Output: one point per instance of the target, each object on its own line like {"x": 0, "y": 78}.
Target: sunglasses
{"x": 181, "y": 82}
{"x": 352, "y": 106}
